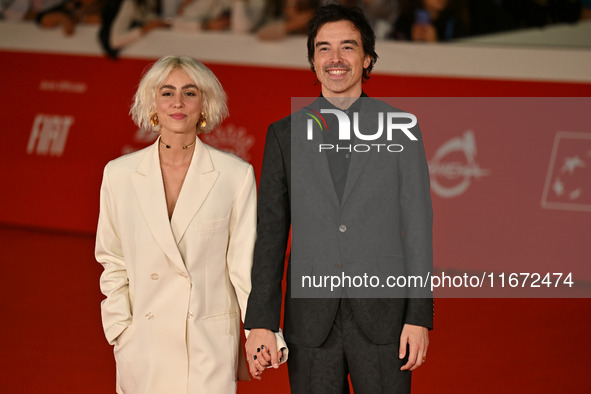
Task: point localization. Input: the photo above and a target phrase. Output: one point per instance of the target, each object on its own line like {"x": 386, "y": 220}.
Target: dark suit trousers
{"x": 374, "y": 369}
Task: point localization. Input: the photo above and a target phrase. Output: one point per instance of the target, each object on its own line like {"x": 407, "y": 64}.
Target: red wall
{"x": 65, "y": 116}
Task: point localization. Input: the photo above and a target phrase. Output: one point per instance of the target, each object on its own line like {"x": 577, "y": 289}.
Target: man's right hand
{"x": 261, "y": 351}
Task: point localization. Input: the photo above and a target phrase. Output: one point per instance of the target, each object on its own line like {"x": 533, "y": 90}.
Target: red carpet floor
{"x": 52, "y": 340}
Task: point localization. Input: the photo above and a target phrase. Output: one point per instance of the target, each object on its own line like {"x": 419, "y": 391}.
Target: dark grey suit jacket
{"x": 387, "y": 214}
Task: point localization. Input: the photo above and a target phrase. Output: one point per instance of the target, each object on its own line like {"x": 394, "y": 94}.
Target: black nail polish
{"x": 254, "y": 357}
{"x": 262, "y": 346}
{"x": 258, "y": 349}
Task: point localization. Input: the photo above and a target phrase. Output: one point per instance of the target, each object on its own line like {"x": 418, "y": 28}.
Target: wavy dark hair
{"x": 337, "y": 13}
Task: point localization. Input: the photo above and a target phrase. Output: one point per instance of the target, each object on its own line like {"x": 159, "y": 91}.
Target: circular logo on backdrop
{"x": 565, "y": 184}
{"x": 454, "y": 166}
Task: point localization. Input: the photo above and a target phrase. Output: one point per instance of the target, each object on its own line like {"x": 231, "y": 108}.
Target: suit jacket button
{"x": 155, "y": 276}
{"x": 342, "y": 228}
{"x": 149, "y": 316}
{"x": 190, "y": 314}
{"x": 184, "y": 274}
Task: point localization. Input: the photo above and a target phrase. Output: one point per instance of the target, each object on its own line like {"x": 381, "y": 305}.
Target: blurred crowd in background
{"x": 124, "y": 21}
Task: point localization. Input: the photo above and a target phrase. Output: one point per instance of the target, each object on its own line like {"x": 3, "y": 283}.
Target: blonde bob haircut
{"x": 214, "y": 97}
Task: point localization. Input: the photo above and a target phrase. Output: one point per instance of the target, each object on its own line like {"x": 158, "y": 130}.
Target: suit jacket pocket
{"x": 392, "y": 264}
{"x": 391, "y": 270}
{"x": 299, "y": 274}
{"x": 123, "y": 337}
{"x": 221, "y": 316}
{"x": 301, "y": 267}
{"x": 212, "y": 225}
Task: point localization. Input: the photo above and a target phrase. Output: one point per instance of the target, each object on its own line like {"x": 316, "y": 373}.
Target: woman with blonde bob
{"x": 175, "y": 236}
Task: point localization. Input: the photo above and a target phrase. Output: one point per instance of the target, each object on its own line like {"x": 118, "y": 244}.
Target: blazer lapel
{"x": 358, "y": 162}
{"x": 360, "y": 159}
{"x": 149, "y": 187}
{"x": 199, "y": 181}
{"x": 308, "y": 151}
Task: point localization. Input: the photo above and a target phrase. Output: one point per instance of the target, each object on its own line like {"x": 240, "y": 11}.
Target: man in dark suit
{"x": 352, "y": 212}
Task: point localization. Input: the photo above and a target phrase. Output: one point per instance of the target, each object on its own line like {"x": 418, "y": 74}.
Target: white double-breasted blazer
{"x": 175, "y": 289}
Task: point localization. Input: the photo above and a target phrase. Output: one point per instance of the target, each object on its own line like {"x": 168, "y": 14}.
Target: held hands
{"x": 261, "y": 351}
{"x": 417, "y": 338}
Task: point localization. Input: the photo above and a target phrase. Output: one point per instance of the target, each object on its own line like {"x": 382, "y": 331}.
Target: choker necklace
{"x": 184, "y": 146}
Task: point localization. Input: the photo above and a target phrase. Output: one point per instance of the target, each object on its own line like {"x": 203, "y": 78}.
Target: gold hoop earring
{"x": 202, "y": 122}
{"x": 155, "y": 122}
